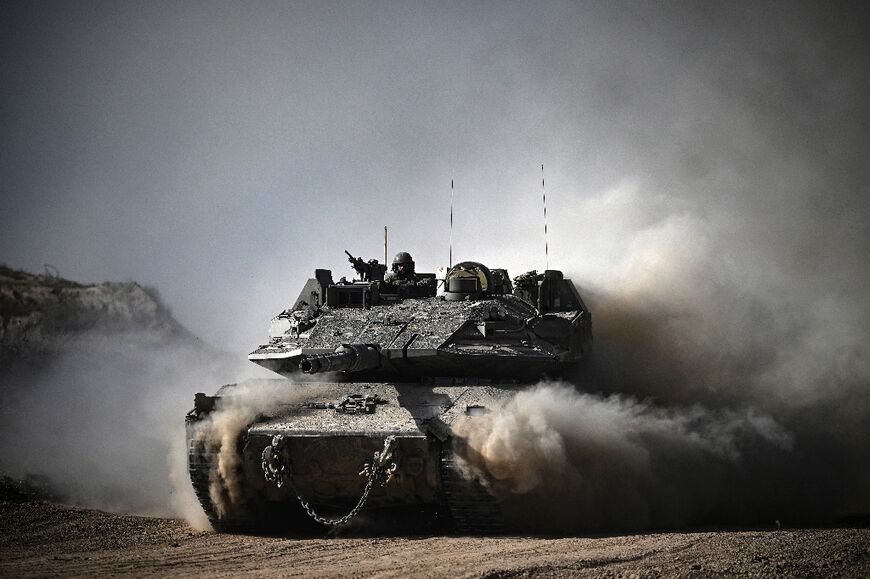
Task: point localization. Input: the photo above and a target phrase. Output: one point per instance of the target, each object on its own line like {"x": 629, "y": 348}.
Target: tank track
{"x": 199, "y": 465}
{"x": 473, "y": 509}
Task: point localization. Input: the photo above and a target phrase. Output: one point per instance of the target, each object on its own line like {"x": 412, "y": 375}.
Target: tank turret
{"x": 477, "y": 326}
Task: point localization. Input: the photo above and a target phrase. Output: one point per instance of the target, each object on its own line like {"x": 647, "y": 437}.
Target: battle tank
{"x": 382, "y": 369}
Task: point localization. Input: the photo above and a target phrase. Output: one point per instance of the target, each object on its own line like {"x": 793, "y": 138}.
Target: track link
{"x": 199, "y": 464}
{"x": 473, "y": 508}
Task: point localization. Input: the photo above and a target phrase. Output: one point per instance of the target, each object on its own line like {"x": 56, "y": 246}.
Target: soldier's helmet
{"x": 403, "y": 259}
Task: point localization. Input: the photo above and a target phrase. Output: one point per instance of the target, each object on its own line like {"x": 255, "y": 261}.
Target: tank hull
{"x": 327, "y": 448}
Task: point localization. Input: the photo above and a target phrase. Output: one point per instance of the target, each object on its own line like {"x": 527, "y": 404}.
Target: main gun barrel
{"x": 346, "y": 358}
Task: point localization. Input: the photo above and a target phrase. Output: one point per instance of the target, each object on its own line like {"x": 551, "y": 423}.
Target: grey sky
{"x": 222, "y": 151}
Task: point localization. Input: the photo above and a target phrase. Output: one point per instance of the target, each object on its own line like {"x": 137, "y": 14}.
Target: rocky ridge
{"x": 41, "y": 314}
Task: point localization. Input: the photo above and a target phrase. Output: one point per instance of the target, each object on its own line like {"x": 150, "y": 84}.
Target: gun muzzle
{"x": 346, "y": 358}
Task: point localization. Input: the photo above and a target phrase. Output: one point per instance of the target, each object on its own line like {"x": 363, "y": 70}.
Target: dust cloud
{"x": 722, "y": 249}
{"x": 220, "y": 431}
{"x": 103, "y": 421}
{"x": 729, "y": 382}
{"x": 613, "y": 463}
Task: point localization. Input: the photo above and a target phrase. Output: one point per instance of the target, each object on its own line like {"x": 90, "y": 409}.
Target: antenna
{"x": 385, "y": 244}
{"x": 450, "y": 259}
{"x": 546, "y": 244}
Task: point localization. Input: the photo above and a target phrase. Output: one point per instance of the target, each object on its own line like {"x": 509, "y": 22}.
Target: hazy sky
{"x": 708, "y": 188}
{"x": 222, "y": 151}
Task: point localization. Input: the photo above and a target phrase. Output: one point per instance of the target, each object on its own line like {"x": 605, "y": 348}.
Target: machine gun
{"x": 368, "y": 271}
{"x": 346, "y": 358}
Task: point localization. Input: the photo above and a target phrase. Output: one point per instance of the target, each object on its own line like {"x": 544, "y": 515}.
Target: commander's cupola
{"x": 471, "y": 280}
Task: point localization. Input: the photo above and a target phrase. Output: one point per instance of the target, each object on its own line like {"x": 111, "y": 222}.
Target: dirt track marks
{"x": 50, "y": 540}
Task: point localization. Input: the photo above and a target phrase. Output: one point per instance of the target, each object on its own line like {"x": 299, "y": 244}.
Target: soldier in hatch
{"x": 403, "y": 269}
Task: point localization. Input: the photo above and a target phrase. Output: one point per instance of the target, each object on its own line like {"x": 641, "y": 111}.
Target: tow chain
{"x": 277, "y": 469}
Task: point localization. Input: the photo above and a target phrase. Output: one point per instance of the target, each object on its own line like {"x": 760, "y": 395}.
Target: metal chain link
{"x": 377, "y": 470}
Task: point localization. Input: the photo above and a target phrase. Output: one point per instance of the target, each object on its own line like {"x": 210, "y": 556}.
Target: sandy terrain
{"x": 42, "y": 539}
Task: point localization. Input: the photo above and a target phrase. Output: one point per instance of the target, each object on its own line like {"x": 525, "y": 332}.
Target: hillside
{"x": 81, "y": 363}
{"x": 41, "y": 314}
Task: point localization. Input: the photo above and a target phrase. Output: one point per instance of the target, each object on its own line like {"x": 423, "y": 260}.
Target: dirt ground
{"x": 44, "y": 539}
